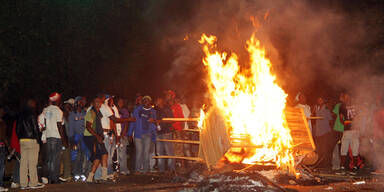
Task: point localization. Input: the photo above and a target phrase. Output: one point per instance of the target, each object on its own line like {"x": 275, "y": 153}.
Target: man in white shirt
{"x": 307, "y": 109}
{"x": 55, "y": 135}
{"x": 109, "y": 122}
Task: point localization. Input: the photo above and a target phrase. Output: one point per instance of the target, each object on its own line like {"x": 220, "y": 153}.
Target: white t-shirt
{"x": 307, "y": 113}
{"x": 53, "y": 115}
{"x": 186, "y": 113}
{"x": 117, "y": 115}
{"x": 106, "y": 112}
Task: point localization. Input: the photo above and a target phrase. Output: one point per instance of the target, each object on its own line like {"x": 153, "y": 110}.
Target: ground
{"x": 156, "y": 182}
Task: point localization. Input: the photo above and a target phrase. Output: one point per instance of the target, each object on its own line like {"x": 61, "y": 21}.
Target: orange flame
{"x": 251, "y": 103}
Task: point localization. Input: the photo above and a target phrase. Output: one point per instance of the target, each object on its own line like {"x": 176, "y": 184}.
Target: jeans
{"x": 122, "y": 152}
{"x": 54, "y": 147}
{"x": 3, "y": 154}
{"x": 110, "y": 145}
{"x": 66, "y": 158}
{"x": 28, "y": 163}
{"x": 16, "y": 169}
{"x": 165, "y": 149}
{"x": 78, "y": 159}
{"x": 142, "y": 145}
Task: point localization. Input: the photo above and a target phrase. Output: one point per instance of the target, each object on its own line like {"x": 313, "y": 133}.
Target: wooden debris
{"x": 179, "y": 141}
{"x": 178, "y": 157}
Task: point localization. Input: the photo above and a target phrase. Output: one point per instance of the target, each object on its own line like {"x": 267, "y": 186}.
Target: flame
{"x": 201, "y": 118}
{"x": 252, "y": 104}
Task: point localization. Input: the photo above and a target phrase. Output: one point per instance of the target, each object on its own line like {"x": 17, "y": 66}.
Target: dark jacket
{"x": 27, "y": 127}
{"x": 164, "y": 112}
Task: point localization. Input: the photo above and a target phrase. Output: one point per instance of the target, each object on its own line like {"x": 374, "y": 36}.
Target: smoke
{"x": 317, "y": 48}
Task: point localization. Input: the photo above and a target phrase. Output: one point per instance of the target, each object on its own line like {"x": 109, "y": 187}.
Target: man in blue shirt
{"x": 80, "y": 152}
{"x": 144, "y": 130}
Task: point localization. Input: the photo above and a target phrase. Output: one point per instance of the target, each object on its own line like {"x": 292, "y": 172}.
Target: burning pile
{"x": 251, "y": 103}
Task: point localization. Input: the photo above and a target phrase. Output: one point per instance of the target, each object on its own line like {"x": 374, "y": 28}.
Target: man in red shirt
{"x": 176, "y": 126}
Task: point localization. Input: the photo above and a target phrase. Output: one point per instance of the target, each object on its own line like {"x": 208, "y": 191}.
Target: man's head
{"x": 120, "y": 103}
{"x": 147, "y": 101}
{"x": 159, "y": 102}
{"x": 97, "y": 103}
{"x": 320, "y": 101}
{"x": 170, "y": 95}
{"x": 54, "y": 98}
{"x": 110, "y": 102}
{"x": 302, "y": 99}
{"x": 347, "y": 98}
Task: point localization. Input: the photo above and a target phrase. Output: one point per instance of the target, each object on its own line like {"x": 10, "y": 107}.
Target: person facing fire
{"x": 177, "y": 112}
{"x": 144, "y": 130}
{"x": 302, "y": 103}
{"x": 323, "y": 133}
{"x": 350, "y": 136}
{"x": 164, "y": 132}
{"x": 99, "y": 154}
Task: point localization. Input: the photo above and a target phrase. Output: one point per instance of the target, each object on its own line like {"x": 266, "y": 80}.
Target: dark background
{"x": 122, "y": 47}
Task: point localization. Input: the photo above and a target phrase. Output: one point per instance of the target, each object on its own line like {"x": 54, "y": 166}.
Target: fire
{"x": 252, "y": 104}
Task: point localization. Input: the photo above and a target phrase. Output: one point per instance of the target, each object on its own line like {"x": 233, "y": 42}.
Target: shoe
{"x": 38, "y": 186}
{"x": 24, "y": 188}
{"x": 83, "y": 178}
{"x": 14, "y": 185}
{"x": 63, "y": 179}
{"x": 3, "y": 189}
{"x": 44, "y": 180}
{"x": 76, "y": 178}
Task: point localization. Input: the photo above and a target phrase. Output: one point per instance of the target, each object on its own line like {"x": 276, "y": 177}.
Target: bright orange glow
{"x": 252, "y": 104}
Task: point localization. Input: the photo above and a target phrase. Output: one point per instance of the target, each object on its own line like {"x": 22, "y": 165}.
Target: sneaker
{"x": 76, "y": 178}
{"x": 44, "y": 180}
{"x": 38, "y": 186}
{"x": 83, "y": 178}
{"x": 14, "y": 185}
{"x": 63, "y": 179}
{"x": 3, "y": 189}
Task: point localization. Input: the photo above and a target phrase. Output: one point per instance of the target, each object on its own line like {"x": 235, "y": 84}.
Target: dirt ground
{"x": 161, "y": 183}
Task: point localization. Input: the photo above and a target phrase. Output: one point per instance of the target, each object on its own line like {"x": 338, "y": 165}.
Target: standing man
{"x": 124, "y": 113}
{"x": 164, "y": 132}
{"x": 99, "y": 154}
{"x": 323, "y": 133}
{"x": 176, "y": 126}
{"x": 80, "y": 153}
{"x": 28, "y": 132}
{"x": 55, "y": 135}
{"x": 144, "y": 130}
{"x": 302, "y": 103}
{"x": 350, "y": 136}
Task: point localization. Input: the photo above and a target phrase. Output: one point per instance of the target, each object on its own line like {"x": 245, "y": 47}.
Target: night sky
{"x": 122, "y": 47}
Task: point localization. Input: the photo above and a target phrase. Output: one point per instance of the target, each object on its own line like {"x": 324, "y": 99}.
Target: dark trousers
{"x": 3, "y": 153}
{"x": 324, "y": 148}
{"x": 16, "y": 169}
{"x": 54, "y": 147}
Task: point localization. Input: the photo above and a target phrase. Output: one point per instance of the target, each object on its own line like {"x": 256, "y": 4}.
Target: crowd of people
{"x": 89, "y": 141}
{"x": 348, "y": 134}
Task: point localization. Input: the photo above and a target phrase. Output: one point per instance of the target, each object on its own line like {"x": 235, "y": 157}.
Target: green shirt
{"x": 90, "y": 117}
{"x": 338, "y": 125}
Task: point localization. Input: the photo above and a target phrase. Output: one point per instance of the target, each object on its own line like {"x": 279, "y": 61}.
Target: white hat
{"x": 70, "y": 101}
